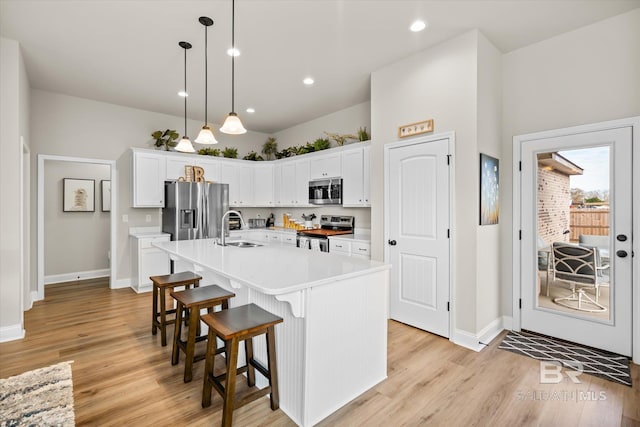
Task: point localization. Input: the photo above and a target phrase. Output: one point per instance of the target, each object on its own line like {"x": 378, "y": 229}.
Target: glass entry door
{"x": 576, "y": 238}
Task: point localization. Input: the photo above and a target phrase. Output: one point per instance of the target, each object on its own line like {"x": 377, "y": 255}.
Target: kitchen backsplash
{"x": 362, "y": 215}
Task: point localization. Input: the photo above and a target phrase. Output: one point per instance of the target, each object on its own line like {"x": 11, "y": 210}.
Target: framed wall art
{"x": 78, "y": 195}
{"x": 105, "y": 195}
{"x": 489, "y": 203}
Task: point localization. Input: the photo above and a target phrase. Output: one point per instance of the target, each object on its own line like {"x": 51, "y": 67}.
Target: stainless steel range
{"x": 330, "y": 225}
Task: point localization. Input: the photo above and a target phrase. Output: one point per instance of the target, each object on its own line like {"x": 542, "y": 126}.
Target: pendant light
{"x": 184, "y": 145}
{"x": 206, "y": 136}
{"x": 232, "y": 124}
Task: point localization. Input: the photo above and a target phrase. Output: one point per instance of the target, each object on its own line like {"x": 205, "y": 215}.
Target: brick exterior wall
{"x": 554, "y": 202}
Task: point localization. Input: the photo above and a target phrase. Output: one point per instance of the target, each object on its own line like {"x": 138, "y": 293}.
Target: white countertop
{"x": 146, "y": 232}
{"x": 271, "y": 269}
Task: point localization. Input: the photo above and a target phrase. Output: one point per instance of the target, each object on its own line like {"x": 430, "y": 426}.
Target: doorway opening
{"x": 96, "y": 197}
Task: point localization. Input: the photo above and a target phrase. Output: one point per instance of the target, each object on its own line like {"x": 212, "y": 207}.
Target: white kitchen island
{"x": 332, "y": 345}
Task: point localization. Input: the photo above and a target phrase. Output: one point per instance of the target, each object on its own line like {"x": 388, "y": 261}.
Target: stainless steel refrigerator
{"x": 193, "y": 210}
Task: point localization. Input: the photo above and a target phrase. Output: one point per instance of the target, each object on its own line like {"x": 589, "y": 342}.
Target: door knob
{"x": 621, "y": 238}
{"x": 392, "y": 242}
{"x": 621, "y": 254}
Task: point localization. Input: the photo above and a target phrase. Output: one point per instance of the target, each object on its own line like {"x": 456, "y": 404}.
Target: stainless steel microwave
{"x": 325, "y": 191}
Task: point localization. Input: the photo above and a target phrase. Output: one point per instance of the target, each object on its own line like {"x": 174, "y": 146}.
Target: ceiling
{"x": 126, "y": 52}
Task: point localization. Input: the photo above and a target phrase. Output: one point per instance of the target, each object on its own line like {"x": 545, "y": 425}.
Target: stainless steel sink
{"x": 243, "y": 244}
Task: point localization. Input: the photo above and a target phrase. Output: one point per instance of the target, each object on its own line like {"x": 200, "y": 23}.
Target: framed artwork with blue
{"x": 489, "y": 189}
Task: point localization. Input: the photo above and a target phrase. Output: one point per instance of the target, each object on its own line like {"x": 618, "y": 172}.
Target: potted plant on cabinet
{"x": 270, "y": 148}
{"x": 167, "y": 138}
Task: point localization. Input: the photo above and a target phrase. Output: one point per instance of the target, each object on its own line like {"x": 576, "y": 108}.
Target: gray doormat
{"x": 599, "y": 363}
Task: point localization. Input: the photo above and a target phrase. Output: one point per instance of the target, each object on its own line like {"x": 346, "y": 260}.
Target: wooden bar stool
{"x": 194, "y": 300}
{"x": 235, "y": 325}
{"x": 160, "y": 283}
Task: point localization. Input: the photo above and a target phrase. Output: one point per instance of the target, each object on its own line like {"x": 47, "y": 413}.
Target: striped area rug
{"x": 599, "y": 363}
{"x": 42, "y": 397}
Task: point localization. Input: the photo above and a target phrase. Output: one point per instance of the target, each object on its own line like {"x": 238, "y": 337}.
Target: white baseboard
{"x": 141, "y": 289}
{"x": 80, "y": 275}
{"x": 477, "y": 342}
{"x": 11, "y": 333}
{"x": 466, "y": 339}
{"x": 492, "y": 330}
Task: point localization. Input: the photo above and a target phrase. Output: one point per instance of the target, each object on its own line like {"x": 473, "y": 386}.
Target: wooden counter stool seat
{"x": 160, "y": 283}
{"x": 192, "y": 301}
{"x": 235, "y": 325}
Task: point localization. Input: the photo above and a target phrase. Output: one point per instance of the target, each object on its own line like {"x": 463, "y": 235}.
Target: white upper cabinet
{"x": 366, "y": 173}
{"x": 239, "y": 176}
{"x": 356, "y": 170}
{"x": 327, "y": 166}
{"x": 263, "y": 185}
{"x": 287, "y": 184}
{"x": 211, "y": 168}
{"x": 176, "y": 167}
{"x": 301, "y": 183}
{"x": 352, "y": 178}
{"x": 147, "y": 178}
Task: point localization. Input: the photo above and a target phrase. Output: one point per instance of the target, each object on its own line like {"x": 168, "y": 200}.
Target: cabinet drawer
{"x": 361, "y": 249}
{"x": 339, "y": 246}
{"x": 289, "y": 240}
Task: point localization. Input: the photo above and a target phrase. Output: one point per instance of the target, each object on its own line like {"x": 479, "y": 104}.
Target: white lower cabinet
{"x": 350, "y": 247}
{"x": 146, "y": 261}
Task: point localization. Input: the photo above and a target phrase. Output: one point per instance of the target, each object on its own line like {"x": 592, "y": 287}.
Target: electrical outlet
{"x": 125, "y": 218}
{"x": 148, "y": 218}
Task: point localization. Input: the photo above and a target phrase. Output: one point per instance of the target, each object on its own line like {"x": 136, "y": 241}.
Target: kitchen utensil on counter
{"x": 308, "y": 220}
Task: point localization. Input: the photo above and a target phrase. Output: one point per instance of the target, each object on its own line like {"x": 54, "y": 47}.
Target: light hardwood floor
{"x": 122, "y": 376}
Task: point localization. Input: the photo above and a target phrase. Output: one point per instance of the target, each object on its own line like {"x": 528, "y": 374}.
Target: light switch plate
{"x": 415, "y": 128}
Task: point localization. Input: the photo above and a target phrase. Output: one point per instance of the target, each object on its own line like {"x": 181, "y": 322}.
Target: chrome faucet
{"x": 223, "y": 230}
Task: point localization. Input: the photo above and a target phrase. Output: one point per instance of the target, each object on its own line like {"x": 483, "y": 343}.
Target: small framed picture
{"x": 78, "y": 195}
{"x": 105, "y": 195}
{"x": 489, "y": 190}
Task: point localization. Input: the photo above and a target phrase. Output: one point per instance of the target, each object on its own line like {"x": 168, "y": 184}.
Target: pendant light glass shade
{"x": 205, "y": 136}
{"x": 184, "y": 146}
{"x": 232, "y": 124}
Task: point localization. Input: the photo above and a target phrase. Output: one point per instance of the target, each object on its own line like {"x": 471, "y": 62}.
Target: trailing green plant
{"x": 167, "y": 138}
{"x": 363, "y": 135}
{"x": 321, "y": 144}
{"x": 253, "y": 156}
{"x": 208, "y": 151}
{"x": 286, "y": 152}
{"x": 230, "y": 153}
{"x": 340, "y": 139}
{"x": 270, "y": 148}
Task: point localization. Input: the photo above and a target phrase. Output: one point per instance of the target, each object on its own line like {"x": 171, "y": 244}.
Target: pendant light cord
{"x": 206, "y": 75}
{"x": 233, "y": 54}
{"x": 185, "y": 91}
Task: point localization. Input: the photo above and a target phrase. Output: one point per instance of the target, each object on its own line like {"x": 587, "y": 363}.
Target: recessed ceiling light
{"x": 308, "y": 81}
{"x": 183, "y": 94}
{"x": 233, "y": 51}
{"x": 418, "y": 26}
{"x": 251, "y": 110}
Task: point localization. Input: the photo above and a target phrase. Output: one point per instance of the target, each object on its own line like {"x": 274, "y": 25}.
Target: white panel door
{"x": 607, "y": 153}
{"x": 418, "y": 248}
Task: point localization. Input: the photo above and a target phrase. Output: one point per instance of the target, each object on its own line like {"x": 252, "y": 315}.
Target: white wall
{"x": 14, "y": 124}
{"x": 489, "y": 106}
{"x": 438, "y": 83}
{"x": 345, "y": 121}
{"x": 76, "y": 127}
{"x": 588, "y": 75}
{"x": 75, "y": 242}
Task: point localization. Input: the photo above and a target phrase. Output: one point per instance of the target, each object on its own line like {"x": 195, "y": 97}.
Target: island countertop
{"x": 271, "y": 269}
